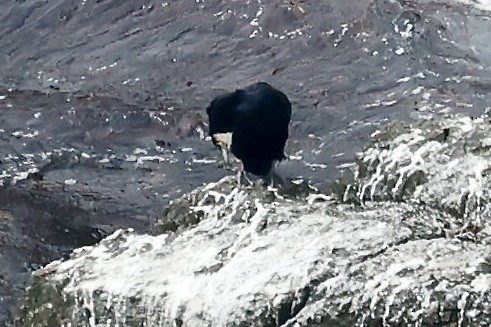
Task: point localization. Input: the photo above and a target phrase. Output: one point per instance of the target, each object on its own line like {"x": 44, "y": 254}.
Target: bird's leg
{"x": 268, "y": 179}
{"x": 241, "y": 173}
{"x": 247, "y": 178}
{"x": 225, "y": 155}
{"x": 272, "y": 175}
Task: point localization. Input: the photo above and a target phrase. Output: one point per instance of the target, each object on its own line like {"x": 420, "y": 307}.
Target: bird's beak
{"x": 224, "y": 141}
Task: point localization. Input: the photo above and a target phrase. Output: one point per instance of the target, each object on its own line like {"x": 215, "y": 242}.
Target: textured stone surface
{"x": 101, "y": 102}
{"x": 438, "y": 163}
{"x": 253, "y": 257}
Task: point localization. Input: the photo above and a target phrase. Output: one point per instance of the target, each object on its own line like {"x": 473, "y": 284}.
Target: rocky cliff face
{"x": 102, "y": 120}
{"x": 246, "y": 256}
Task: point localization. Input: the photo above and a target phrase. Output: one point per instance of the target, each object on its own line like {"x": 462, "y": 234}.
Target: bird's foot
{"x": 226, "y": 165}
{"x": 243, "y": 175}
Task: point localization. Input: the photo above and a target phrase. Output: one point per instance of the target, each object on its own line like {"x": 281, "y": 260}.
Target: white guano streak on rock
{"x": 271, "y": 262}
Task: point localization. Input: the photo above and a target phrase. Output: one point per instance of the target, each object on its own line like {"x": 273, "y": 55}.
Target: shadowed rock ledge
{"x": 252, "y": 257}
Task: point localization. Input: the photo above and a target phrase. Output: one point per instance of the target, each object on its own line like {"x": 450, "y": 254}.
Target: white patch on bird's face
{"x": 224, "y": 140}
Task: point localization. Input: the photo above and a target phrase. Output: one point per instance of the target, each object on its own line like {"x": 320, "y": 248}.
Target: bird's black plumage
{"x": 258, "y": 117}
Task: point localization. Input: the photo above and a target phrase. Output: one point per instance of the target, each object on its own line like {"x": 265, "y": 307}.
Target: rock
{"x": 249, "y": 256}
{"x": 440, "y": 163}
{"x": 84, "y": 84}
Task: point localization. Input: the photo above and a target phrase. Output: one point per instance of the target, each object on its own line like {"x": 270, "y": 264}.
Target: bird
{"x": 251, "y": 123}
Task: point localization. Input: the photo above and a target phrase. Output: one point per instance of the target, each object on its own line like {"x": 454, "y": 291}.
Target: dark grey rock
{"x": 101, "y": 102}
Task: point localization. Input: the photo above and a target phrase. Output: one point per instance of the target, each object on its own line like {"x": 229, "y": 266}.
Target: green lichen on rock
{"x": 45, "y": 304}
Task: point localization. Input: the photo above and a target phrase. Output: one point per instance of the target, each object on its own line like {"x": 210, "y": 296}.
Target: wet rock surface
{"x": 101, "y": 102}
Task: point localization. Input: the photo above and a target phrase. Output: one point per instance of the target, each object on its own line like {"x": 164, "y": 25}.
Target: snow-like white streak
{"x": 441, "y": 163}
{"x": 481, "y": 4}
{"x": 246, "y": 257}
{"x": 216, "y": 276}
